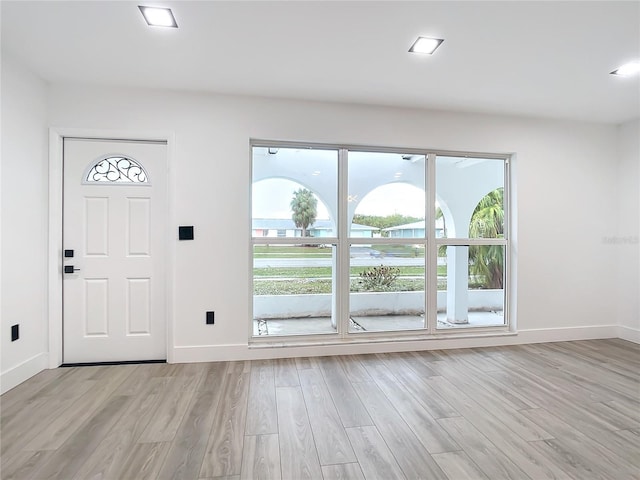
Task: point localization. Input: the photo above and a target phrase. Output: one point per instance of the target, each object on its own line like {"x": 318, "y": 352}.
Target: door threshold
{"x": 121, "y": 362}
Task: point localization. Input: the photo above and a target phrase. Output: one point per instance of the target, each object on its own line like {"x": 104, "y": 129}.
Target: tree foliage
{"x": 304, "y": 208}
{"x": 487, "y": 221}
{"x": 384, "y": 222}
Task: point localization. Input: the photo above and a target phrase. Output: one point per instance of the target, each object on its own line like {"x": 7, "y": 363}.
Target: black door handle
{"x": 70, "y": 269}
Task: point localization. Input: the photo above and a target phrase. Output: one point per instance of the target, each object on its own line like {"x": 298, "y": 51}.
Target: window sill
{"x": 372, "y": 338}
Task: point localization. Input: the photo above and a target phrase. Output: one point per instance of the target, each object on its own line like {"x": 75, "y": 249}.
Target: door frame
{"x": 55, "y": 246}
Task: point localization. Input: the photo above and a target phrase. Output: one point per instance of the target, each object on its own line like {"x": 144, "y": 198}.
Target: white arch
{"x": 296, "y": 184}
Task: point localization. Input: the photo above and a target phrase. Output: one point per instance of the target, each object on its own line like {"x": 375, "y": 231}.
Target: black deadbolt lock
{"x": 68, "y": 253}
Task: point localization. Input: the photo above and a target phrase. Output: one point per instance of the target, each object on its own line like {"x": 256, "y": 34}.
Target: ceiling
{"x": 541, "y": 59}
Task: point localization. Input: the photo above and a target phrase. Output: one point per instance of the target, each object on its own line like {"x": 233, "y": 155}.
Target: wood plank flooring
{"x": 567, "y": 410}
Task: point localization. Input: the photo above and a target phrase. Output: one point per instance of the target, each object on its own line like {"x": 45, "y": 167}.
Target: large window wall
{"x": 356, "y": 242}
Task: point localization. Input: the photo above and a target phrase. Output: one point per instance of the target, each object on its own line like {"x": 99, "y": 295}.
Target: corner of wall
{"x": 24, "y": 371}
{"x": 24, "y": 214}
{"x": 626, "y": 240}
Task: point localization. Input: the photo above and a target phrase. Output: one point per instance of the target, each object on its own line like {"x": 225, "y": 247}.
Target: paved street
{"x": 327, "y": 262}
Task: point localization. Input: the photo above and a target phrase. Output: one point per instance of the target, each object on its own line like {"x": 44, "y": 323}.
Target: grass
{"x": 299, "y": 287}
{"x": 326, "y": 272}
{"x": 400, "y": 250}
{"x": 322, "y": 272}
{"x": 316, "y": 280}
{"x": 319, "y": 285}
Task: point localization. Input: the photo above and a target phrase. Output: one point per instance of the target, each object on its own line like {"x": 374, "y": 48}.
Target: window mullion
{"x": 342, "y": 264}
{"x": 431, "y": 284}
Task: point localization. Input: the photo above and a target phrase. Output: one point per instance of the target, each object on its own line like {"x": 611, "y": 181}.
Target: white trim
{"x": 22, "y": 372}
{"x": 511, "y": 233}
{"x": 340, "y": 296}
{"x": 629, "y": 334}
{"x": 341, "y": 264}
{"x": 431, "y": 252}
{"x": 56, "y": 136}
{"x": 216, "y": 353}
{"x": 471, "y": 241}
{"x": 54, "y": 260}
{"x": 258, "y": 142}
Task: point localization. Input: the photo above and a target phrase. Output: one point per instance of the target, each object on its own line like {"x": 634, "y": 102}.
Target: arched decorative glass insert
{"x": 117, "y": 169}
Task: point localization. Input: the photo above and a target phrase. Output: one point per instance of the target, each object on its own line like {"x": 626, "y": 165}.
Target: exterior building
{"x": 415, "y": 229}
{"x": 285, "y": 228}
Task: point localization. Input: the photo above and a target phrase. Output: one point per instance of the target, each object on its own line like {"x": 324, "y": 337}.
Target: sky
{"x": 272, "y": 197}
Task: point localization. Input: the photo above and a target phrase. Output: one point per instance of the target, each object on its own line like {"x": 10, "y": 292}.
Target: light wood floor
{"x": 563, "y": 410}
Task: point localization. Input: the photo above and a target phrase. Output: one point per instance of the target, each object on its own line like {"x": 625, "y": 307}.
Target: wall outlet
{"x": 15, "y": 332}
{"x": 210, "y": 318}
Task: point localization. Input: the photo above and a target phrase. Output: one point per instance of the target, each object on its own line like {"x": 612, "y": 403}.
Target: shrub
{"x": 378, "y": 279}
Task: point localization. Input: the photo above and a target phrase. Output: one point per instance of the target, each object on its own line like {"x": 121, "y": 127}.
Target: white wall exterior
{"x": 24, "y": 220}
{"x": 625, "y": 242}
{"x": 366, "y": 303}
{"x": 566, "y": 178}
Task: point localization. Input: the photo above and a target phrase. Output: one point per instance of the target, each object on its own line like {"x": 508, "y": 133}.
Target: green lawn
{"x": 325, "y": 272}
{"x": 317, "y": 285}
{"x": 400, "y": 250}
{"x": 309, "y": 280}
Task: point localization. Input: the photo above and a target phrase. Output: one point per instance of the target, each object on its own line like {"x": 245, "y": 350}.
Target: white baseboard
{"x": 628, "y": 333}
{"x": 568, "y": 334}
{"x": 216, "y": 353}
{"x": 24, "y": 371}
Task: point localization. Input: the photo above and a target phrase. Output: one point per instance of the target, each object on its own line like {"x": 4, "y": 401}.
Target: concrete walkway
{"x": 316, "y": 325}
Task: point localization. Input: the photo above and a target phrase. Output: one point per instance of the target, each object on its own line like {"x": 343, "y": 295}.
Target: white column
{"x": 335, "y": 287}
{"x": 458, "y": 284}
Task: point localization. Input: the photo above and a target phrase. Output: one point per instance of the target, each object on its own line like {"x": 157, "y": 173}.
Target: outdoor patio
{"x": 319, "y": 325}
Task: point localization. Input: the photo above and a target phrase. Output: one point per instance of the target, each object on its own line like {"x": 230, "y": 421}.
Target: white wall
{"x": 566, "y": 183}
{"x": 24, "y": 223}
{"x": 625, "y": 242}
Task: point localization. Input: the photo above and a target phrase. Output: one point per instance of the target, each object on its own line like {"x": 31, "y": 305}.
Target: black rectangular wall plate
{"x": 185, "y": 232}
{"x": 15, "y": 332}
{"x": 210, "y": 318}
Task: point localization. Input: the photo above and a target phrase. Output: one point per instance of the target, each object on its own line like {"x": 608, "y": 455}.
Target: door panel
{"x": 114, "y": 220}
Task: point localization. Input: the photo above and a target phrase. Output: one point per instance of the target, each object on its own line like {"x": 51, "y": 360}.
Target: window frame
{"x": 343, "y": 241}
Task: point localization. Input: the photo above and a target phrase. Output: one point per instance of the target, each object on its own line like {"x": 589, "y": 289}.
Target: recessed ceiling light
{"x": 627, "y": 69}
{"x": 158, "y": 17}
{"x": 425, "y": 45}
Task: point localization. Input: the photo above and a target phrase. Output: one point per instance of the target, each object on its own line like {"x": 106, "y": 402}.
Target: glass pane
{"x": 386, "y": 195}
{"x": 387, "y": 284}
{"x": 292, "y": 289}
{"x": 294, "y": 192}
{"x": 469, "y": 197}
{"x": 471, "y": 286}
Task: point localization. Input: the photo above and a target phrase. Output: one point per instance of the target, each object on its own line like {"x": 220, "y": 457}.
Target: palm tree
{"x": 487, "y": 221}
{"x": 304, "y": 206}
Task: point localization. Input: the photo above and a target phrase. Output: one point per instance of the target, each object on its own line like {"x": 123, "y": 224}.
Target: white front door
{"x": 114, "y": 224}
